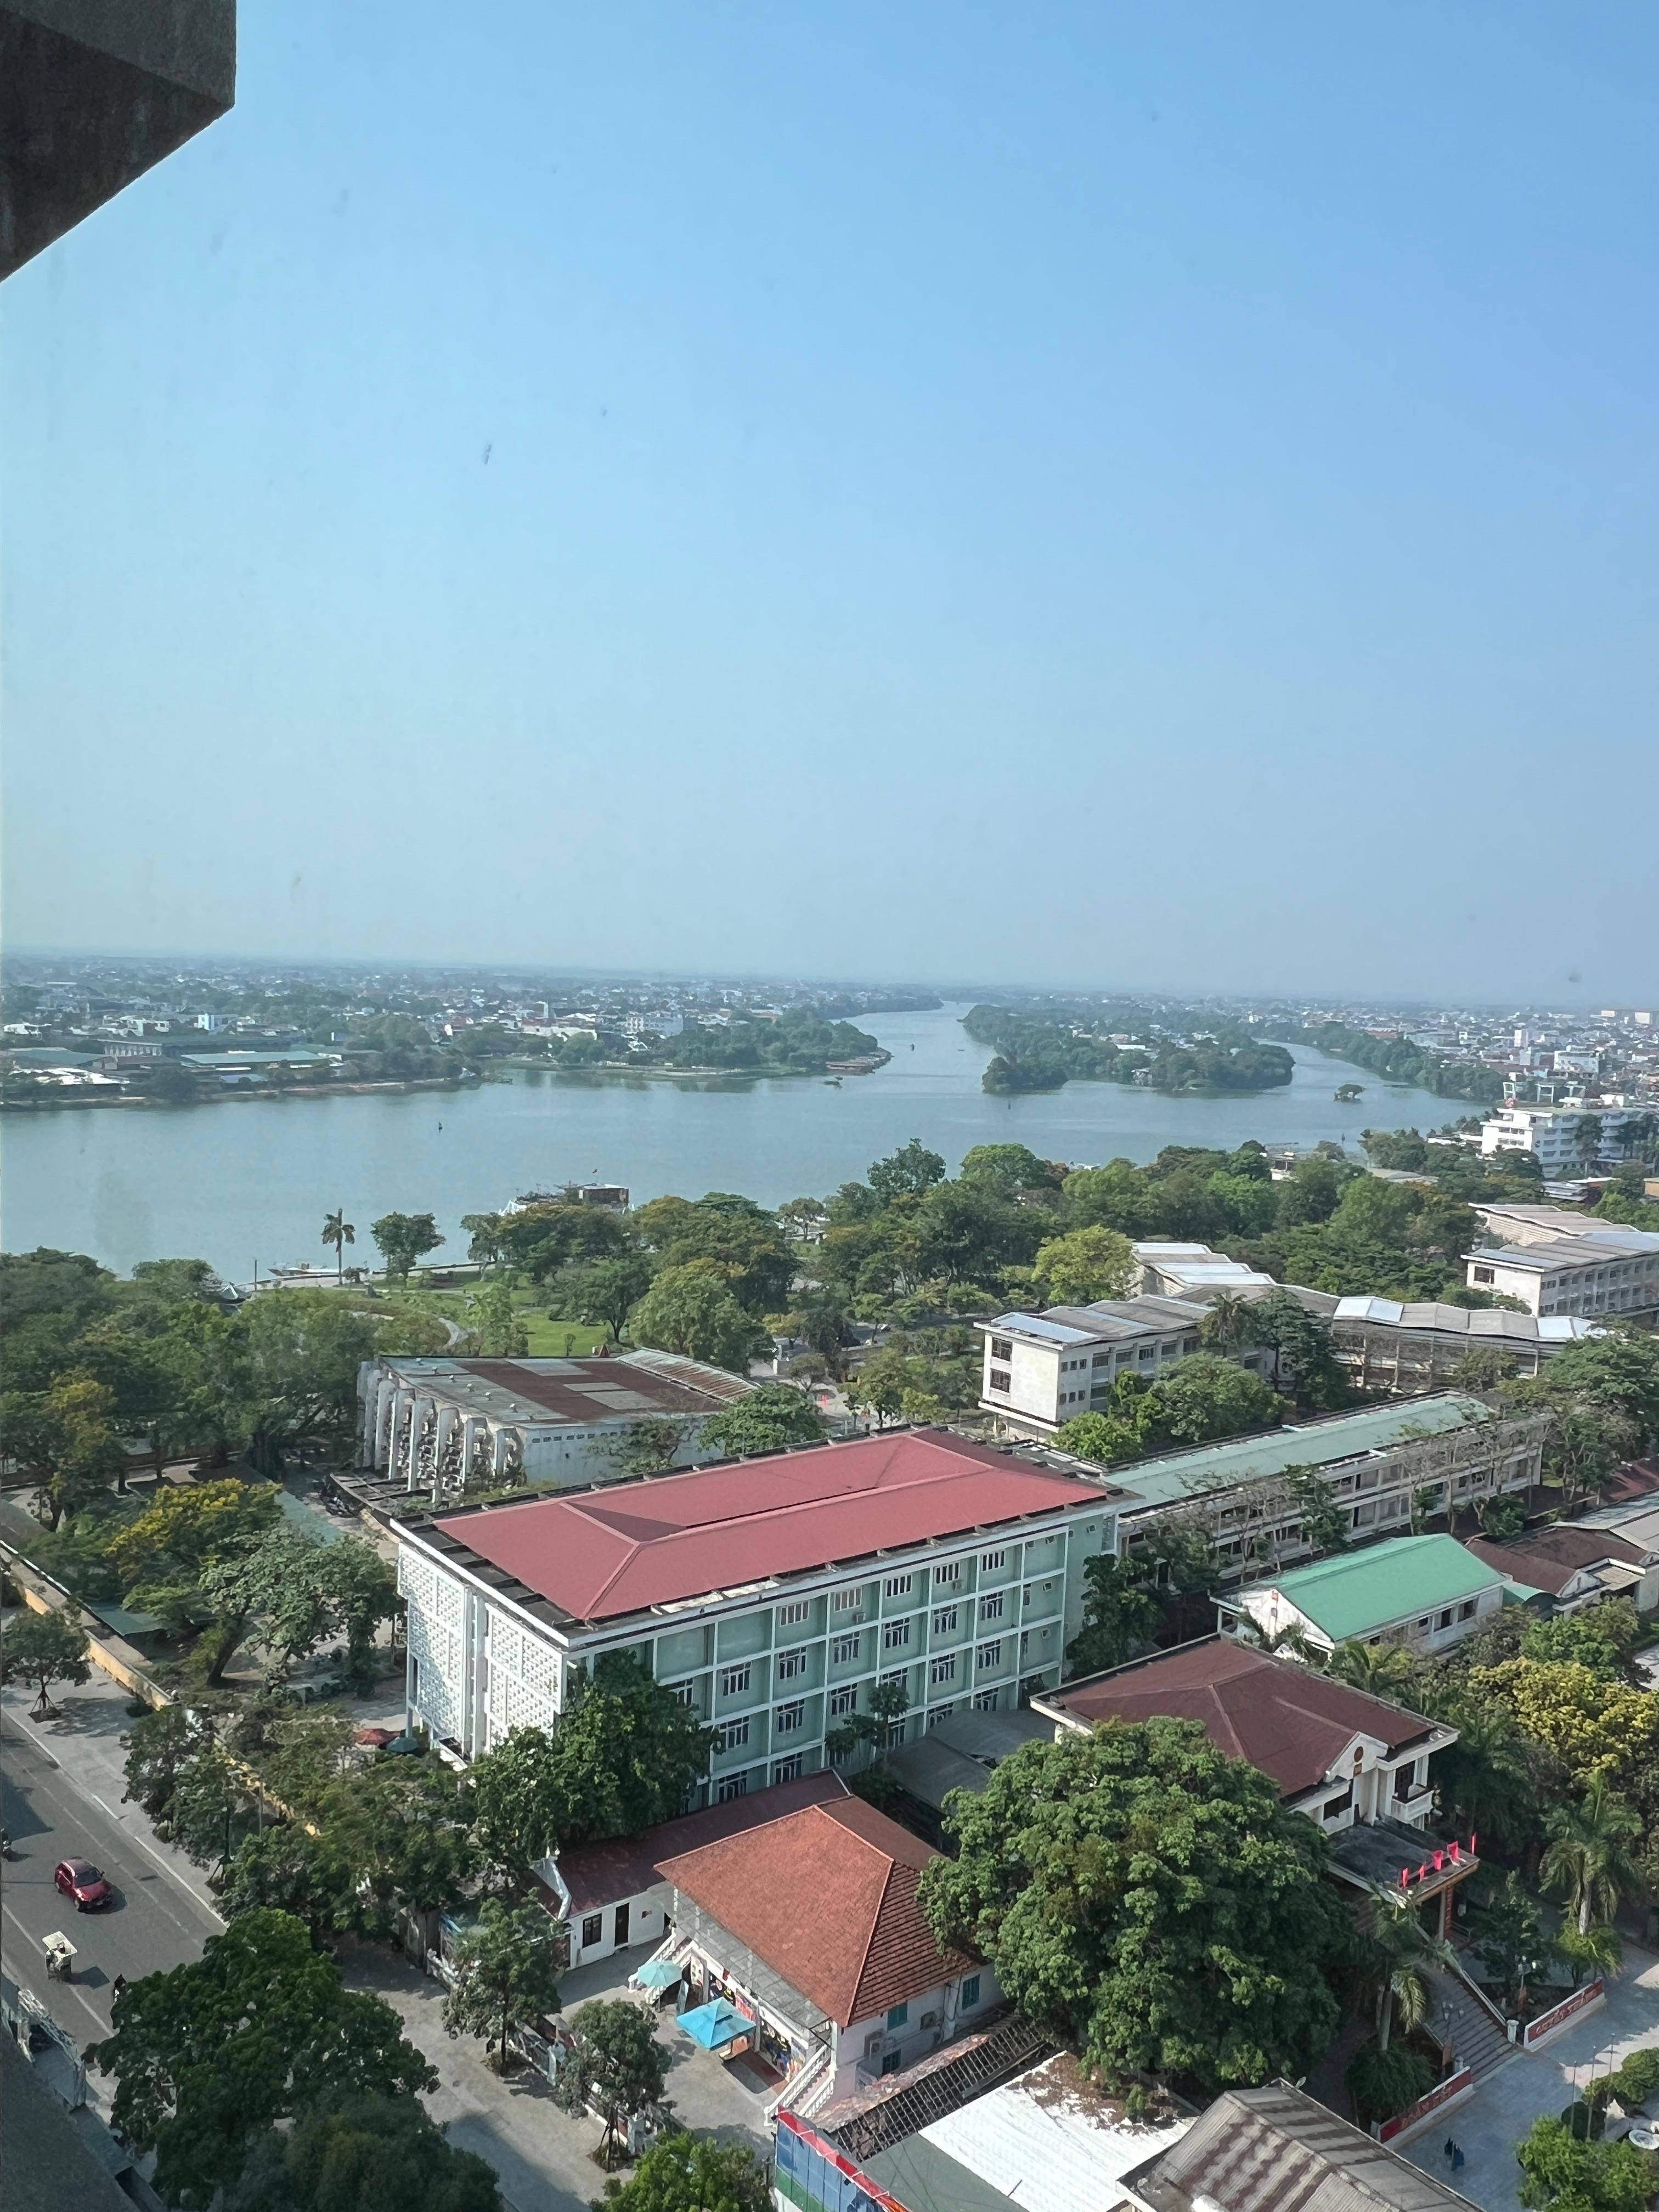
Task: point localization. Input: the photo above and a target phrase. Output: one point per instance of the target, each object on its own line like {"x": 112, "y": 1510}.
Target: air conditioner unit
{"x": 872, "y": 2046}
{"x": 928, "y": 2019}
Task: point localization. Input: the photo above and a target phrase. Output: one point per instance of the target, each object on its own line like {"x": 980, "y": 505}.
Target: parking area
{"x": 1536, "y": 2083}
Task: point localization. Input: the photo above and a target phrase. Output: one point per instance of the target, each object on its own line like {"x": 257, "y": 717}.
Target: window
{"x": 1466, "y": 1611}
{"x": 950, "y": 1572}
{"x": 790, "y": 1718}
{"x": 792, "y": 1663}
{"x": 892, "y": 2062}
{"x": 1146, "y": 1352}
{"x": 1001, "y": 1380}
{"x": 940, "y": 1713}
{"x": 969, "y": 1992}
{"x": 787, "y": 1770}
{"x": 847, "y": 1601}
{"x": 680, "y": 1690}
{"x": 790, "y": 1615}
{"x": 990, "y": 1608}
{"x": 896, "y": 1674}
{"x": 1103, "y": 1359}
{"x": 895, "y": 1735}
{"x": 735, "y": 1786}
{"x": 896, "y": 2018}
{"x": 1002, "y": 1347}
{"x": 734, "y": 1681}
{"x": 943, "y": 1669}
{"x": 944, "y": 1620}
{"x": 843, "y": 1701}
{"x": 1445, "y": 1620}
{"x": 843, "y": 1647}
{"x": 733, "y": 1736}
{"x": 990, "y": 1561}
{"x": 593, "y": 1928}
{"x": 985, "y": 1701}
{"x": 896, "y": 1635}
{"x": 897, "y": 1586}
{"x": 990, "y": 1655}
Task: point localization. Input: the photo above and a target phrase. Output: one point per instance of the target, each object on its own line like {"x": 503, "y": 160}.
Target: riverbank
{"x": 233, "y": 1188}
{"x": 636, "y": 1071}
{"x": 73, "y": 1095}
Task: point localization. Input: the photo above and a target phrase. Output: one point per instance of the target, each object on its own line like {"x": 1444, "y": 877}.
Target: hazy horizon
{"x": 898, "y": 490}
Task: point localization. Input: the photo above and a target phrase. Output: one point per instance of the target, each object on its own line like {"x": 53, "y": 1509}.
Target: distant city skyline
{"x": 898, "y": 491}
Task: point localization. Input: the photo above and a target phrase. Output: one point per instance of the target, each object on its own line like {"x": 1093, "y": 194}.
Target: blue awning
{"x": 716, "y": 2025}
{"x": 658, "y": 1974}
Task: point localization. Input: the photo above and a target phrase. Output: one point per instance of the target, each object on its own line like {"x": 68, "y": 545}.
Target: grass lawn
{"x": 563, "y": 1339}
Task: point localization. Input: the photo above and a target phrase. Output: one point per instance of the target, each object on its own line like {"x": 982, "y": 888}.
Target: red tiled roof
{"x": 1290, "y": 1723}
{"x": 1548, "y": 1559}
{"x": 827, "y": 1898}
{"x": 600, "y": 1553}
{"x": 597, "y": 1875}
{"x": 1635, "y": 1478}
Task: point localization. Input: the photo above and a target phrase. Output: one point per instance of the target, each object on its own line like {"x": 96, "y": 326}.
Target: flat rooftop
{"x": 1169, "y": 1477}
{"x": 1492, "y": 1324}
{"x": 1108, "y": 1321}
{"x": 629, "y": 1547}
{"x": 539, "y": 1394}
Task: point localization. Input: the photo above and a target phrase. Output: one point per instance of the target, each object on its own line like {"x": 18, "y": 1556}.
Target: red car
{"x": 84, "y": 1882}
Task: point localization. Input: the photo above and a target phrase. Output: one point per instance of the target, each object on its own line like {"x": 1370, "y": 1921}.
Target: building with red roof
{"x": 1356, "y": 1765}
{"x": 812, "y": 1927}
{"x": 774, "y": 1595}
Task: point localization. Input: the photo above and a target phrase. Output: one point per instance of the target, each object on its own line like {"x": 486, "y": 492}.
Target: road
{"x": 154, "y": 1923}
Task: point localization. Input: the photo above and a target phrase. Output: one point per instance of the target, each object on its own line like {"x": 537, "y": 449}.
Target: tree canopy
{"x": 364, "y": 2154}
{"x": 1148, "y": 1900}
{"x": 207, "y": 2056}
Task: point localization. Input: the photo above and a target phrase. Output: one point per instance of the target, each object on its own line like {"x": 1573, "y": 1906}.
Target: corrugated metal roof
{"x": 1358, "y": 1592}
{"x": 1276, "y": 2150}
{"x": 1169, "y": 1477}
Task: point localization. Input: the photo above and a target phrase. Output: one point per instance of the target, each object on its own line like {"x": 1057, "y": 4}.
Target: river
{"x": 251, "y": 1181}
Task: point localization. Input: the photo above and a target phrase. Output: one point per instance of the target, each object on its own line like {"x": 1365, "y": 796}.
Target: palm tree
{"x": 1483, "y": 1776}
{"x": 1382, "y": 1670}
{"x": 1588, "y": 1861}
{"x": 1227, "y": 1322}
{"x": 1401, "y": 1951}
{"x": 339, "y": 1232}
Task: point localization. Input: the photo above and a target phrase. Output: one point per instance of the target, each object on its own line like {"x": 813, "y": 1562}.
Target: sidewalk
{"x": 1534, "y": 2084}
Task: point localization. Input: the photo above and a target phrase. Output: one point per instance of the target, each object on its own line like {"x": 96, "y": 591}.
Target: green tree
{"x": 64, "y": 1438}
{"x": 690, "y": 1310}
{"x": 1012, "y": 1170}
{"x": 910, "y": 1172}
{"x": 43, "y": 1648}
{"x": 208, "y": 2056}
{"x": 651, "y": 1446}
{"x": 626, "y": 1755}
{"x": 354, "y": 2153}
{"x": 496, "y": 1328}
{"x": 1399, "y": 1955}
{"x": 605, "y": 1291}
{"x": 775, "y": 1415}
{"x": 1383, "y": 2082}
{"x": 160, "y": 1744}
{"x": 732, "y": 1236}
{"x": 506, "y": 1975}
{"x": 1120, "y": 1614}
{"x": 1560, "y": 2173}
{"x": 1324, "y": 1523}
{"x": 615, "y": 2065}
{"x": 1509, "y": 1939}
{"x": 1602, "y": 1637}
{"x": 690, "y": 2173}
{"x": 1587, "y": 1861}
{"x": 339, "y": 1232}
{"x": 1084, "y": 1265}
{"x": 1382, "y": 1670}
{"x": 1148, "y": 1900}
{"x": 288, "y": 1869}
{"x": 403, "y": 1238}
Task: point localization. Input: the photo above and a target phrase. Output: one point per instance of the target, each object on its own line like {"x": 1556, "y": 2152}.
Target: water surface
{"x": 249, "y": 1181}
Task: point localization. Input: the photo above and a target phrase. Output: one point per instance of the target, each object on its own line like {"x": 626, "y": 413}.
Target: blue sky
{"x": 1085, "y": 495}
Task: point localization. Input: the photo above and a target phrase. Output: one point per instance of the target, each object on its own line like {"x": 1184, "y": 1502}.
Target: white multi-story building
{"x": 1608, "y": 1270}
{"x": 446, "y": 1424}
{"x": 1039, "y": 1370}
{"x": 773, "y": 1595}
{"x": 1561, "y": 1137}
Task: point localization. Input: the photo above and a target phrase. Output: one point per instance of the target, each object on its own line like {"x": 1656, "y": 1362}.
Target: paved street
{"x": 1533, "y": 2083}
{"x": 60, "y": 1797}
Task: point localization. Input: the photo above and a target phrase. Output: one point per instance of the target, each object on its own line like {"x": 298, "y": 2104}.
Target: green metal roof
{"x": 1166, "y": 1479}
{"x": 1357, "y": 1594}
